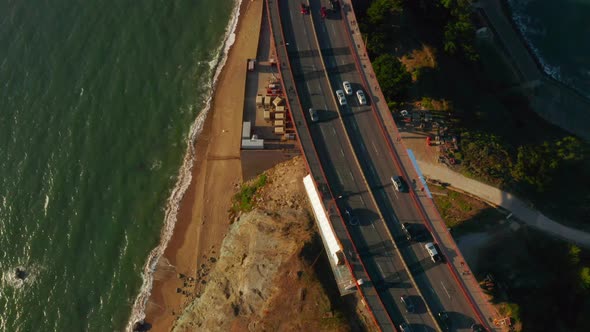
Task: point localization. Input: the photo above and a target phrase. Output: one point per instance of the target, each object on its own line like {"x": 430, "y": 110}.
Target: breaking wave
{"x": 184, "y": 175}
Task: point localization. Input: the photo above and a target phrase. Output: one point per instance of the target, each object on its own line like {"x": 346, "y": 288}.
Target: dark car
{"x": 334, "y": 5}
{"x": 445, "y": 322}
{"x": 407, "y": 229}
{"x": 407, "y": 303}
{"x": 399, "y": 184}
{"x": 413, "y": 232}
{"x": 404, "y": 327}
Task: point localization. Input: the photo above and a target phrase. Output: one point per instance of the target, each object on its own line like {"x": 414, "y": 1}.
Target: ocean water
{"x": 98, "y": 101}
{"x": 558, "y": 32}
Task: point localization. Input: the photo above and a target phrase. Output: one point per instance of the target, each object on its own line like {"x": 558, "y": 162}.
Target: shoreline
{"x": 202, "y": 219}
{"x": 544, "y": 68}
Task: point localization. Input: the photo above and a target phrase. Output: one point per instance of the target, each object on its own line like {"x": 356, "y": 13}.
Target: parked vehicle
{"x": 323, "y": 12}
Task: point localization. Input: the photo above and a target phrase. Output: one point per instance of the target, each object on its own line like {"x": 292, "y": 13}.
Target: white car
{"x": 341, "y": 97}
{"x": 434, "y": 255}
{"x": 347, "y": 87}
{"x": 314, "y": 115}
{"x": 361, "y": 97}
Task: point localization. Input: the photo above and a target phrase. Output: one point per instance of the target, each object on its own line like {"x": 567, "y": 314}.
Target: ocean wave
{"x": 185, "y": 176}
{"x": 526, "y": 27}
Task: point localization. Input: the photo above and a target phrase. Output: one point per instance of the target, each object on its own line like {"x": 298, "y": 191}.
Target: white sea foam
{"x": 526, "y": 27}
{"x": 184, "y": 177}
{"x": 46, "y": 204}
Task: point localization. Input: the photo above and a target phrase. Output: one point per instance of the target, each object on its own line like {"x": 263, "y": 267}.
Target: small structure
{"x": 280, "y": 109}
{"x": 279, "y": 123}
{"x": 246, "y": 129}
{"x": 267, "y": 101}
{"x": 279, "y": 116}
{"x": 251, "y": 64}
{"x": 279, "y": 130}
{"x": 258, "y": 100}
{"x": 253, "y": 143}
{"x": 266, "y": 115}
{"x": 277, "y": 101}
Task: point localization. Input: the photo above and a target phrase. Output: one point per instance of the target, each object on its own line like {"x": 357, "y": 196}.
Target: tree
{"x": 585, "y": 277}
{"x": 393, "y": 77}
{"x": 460, "y": 35}
{"x": 382, "y": 11}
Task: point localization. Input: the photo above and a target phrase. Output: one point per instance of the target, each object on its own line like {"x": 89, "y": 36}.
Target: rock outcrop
{"x": 260, "y": 282}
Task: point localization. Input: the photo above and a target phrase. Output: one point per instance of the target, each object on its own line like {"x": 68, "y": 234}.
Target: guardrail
{"x": 314, "y": 154}
{"x": 395, "y": 155}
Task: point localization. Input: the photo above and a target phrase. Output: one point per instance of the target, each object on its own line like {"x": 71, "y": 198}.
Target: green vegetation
{"x": 535, "y": 283}
{"x": 461, "y": 212}
{"x": 393, "y": 77}
{"x": 541, "y": 283}
{"x": 243, "y": 199}
{"x": 501, "y": 140}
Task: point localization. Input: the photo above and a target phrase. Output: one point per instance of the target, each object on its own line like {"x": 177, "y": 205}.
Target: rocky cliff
{"x": 261, "y": 281}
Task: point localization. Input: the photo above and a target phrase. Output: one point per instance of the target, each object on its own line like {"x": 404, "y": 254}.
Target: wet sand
{"x": 203, "y": 219}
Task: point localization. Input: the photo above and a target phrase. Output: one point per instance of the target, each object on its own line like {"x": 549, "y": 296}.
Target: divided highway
{"x": 368, "y": 230}
{"x": 353, "y": 155}
{"x": 434, "y": 279}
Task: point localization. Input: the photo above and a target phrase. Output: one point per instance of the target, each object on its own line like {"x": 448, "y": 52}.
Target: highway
{"x": 357, "y": 124}
{"x": 434, "y": 279}
{"x": 369, "y": 232}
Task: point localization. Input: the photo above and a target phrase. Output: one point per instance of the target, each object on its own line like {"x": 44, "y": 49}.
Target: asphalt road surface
{"x": 368, "y": 230}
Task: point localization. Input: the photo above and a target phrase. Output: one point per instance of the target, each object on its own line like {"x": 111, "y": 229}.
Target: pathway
{"x": 519, "y": 208}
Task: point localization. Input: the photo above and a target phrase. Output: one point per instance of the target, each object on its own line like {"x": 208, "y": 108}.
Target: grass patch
{"x": 244, "y": 199}
{"x": 463, "y": 213}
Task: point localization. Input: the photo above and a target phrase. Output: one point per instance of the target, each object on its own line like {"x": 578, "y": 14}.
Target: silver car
{"x": 314, "y": 115}
{"x": 341, "y": 97}
{"x": 361, "y": 97}
{"x": 347, "y": 87}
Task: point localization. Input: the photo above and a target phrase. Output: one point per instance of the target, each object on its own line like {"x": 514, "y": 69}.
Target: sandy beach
{"x": 203, "y": 216}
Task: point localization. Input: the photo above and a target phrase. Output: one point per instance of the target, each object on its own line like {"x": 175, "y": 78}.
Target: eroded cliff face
{"x": 261, "y": 282}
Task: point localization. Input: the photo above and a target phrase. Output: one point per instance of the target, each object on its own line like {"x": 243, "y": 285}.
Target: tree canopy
{"x": 393, "y": 77}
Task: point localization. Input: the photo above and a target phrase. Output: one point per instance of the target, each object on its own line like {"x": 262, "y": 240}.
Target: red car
{"x": 304, "y": 9}
{"x": 324, "y": 12}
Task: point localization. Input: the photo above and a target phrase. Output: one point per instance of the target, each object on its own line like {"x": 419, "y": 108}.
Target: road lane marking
{"x": 375, "y": 147}
{"x": 351, "y": 176}
{"x": 380, "y": 269}
{"x": 342, "y": 152}
{"x": 339, "y": 176}
{"x": 446, "y": 291}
